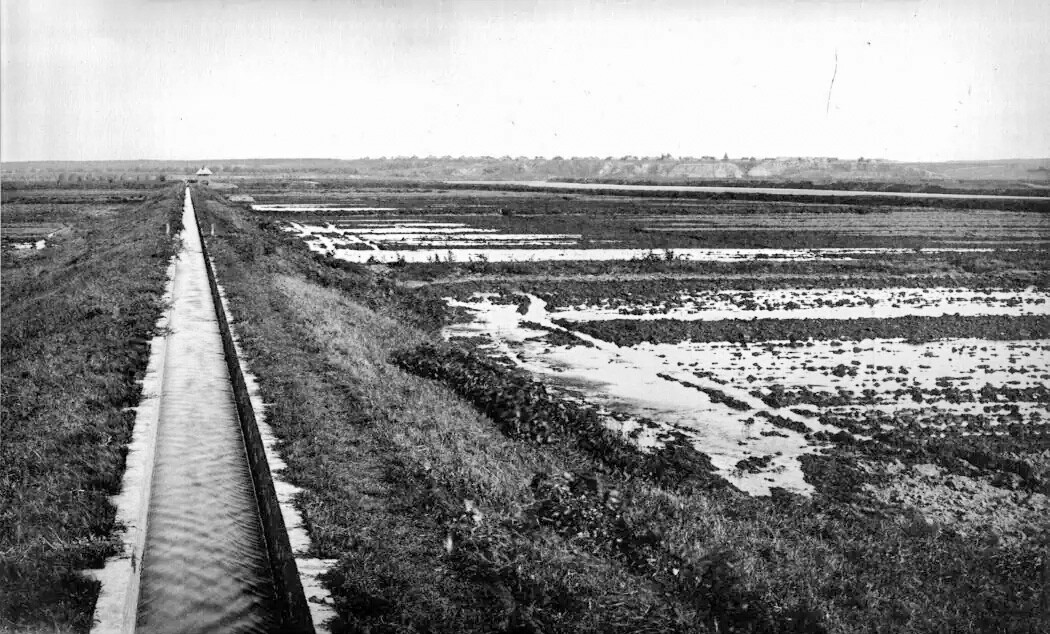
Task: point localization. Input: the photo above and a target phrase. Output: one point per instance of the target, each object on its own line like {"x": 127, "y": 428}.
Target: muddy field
{"x": 32, "y": 216}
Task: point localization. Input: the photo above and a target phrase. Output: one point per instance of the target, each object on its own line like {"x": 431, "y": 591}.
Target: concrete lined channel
{"x": 206, "y": 547}
{"x": 205, "y": 565}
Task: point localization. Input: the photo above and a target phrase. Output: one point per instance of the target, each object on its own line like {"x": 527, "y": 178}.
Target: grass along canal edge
{"x": 78, "y": 317}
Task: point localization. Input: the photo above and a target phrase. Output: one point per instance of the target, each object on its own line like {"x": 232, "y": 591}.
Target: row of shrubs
{"x": 525, "y": 409}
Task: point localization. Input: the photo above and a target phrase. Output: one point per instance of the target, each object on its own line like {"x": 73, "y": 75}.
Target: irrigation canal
{"x": 205, "y": 566}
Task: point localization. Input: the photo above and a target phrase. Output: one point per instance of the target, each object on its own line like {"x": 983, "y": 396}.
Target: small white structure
{"x": 204, "y": 171}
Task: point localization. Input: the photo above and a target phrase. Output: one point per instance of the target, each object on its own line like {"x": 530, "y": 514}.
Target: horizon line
{"x": 632, "y": 157}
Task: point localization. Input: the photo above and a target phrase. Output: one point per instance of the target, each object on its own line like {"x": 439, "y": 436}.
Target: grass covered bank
{"x": 444, "y": 519}
{"x": 77, "y": 318}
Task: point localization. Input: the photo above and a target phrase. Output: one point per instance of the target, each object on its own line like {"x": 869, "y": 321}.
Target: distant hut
{"x": 201, "y": 176}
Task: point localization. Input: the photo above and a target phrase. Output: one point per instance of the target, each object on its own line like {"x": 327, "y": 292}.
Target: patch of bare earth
{"x": 995, "y": 506}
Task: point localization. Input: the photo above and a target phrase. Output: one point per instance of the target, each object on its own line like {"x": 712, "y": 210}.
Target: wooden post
{"x": 167, "y": 228}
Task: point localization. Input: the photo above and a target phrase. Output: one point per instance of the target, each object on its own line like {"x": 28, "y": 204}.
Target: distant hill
{"x": 805, "y": 171}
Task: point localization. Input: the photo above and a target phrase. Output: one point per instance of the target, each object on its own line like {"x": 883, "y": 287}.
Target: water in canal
{"x": 205, "y": 567}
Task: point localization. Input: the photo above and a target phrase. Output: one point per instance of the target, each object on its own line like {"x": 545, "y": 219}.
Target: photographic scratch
{"x": 834, "y": 72}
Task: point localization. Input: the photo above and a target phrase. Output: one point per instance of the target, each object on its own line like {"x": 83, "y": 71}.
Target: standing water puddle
{"x": 634, "y": 382}
{"x": 205, "y": 567}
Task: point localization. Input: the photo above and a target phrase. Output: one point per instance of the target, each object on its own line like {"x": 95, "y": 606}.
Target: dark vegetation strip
{"x": 1041, "y": 205}
{"x": 1000, "y": 269}
{"x": 716, "y": 395}
{"x": 777, "y": 395}
{"x": 78, "y": 317}
{"x": 438, "y": 198}
{"x": 628, "y": 332}
{"x": 777, "y": 238}
{"x": 665, "y": 291}
{"x": 556, "y": 337}
{"x": 524, "y": 409}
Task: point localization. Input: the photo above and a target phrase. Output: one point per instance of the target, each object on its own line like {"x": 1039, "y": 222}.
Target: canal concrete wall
{"x": 295, "y": 611}
{"x": 116, "y": 610}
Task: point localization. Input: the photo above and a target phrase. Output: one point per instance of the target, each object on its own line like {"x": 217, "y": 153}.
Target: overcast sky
{"x": 913, "y": 80}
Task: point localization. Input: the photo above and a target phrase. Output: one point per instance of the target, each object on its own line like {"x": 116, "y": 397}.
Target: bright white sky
{"x": 916, "y": 80}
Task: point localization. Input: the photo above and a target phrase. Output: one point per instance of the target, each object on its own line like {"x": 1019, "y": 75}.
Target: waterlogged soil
{"x": 819, "y": 303}
{"x": 961, "y": 385}
{"x": 645, "y": 398}
{"x": 437, "y": 245}
{"x": 764, "y": 410}
{"x": 578, "y": 237}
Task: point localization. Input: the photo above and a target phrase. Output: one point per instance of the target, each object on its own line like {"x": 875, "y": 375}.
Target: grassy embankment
{"x": 77, "y": 316}
{"x": 445, "y": 519}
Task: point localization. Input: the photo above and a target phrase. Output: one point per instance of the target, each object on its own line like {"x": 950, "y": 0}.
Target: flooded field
{"x": 803, "y": 303}
{"x": 758, "y": 400}
{"x": 421, "y": 241}
{"x": 752, "y": 407}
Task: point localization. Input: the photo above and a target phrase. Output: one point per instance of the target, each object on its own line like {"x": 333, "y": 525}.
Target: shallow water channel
{"x": 205, "y": 566}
